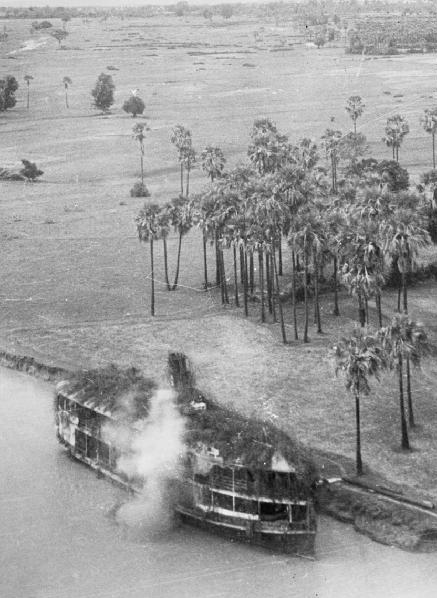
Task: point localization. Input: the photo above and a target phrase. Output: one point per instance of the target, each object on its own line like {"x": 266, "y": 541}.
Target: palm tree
{"x": 181, "y": 139}
{"x": 164, "y": 229}
{"x": 404, "y": 237}
{"x": 180, "y": 215}
{"x": 148, "y": 231}
{"x": 28, "y": 79}
{"x": 395, "y": 130}
{"x": 305, "y": 242}
{"x": 355, "y": 108}
{"x": 331, "y": 140}
{"x": 67, "y": 82}
{"x": 418, "y": 347}
{"x": 429, "y": 123}
{"x": 395, "y": 342}
{"x": 138, "y": 131}
{"x": 213, "y": 162}
{"x": 358, "y": 358}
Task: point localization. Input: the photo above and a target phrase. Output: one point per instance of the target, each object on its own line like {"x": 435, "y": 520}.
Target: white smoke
{"x": 153, "y": 455}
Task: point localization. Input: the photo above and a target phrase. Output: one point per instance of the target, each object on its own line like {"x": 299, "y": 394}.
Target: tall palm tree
{"x": 331, "y": 141}
{"x": 67, "y": 82}
{"x": 429, "y": 123}
{"x": 148, "y": 231}
{"x": 358, "y": 358}
{"x": 213, "y": 162}
{"x": 395, "y": 342}
{"x": 355, "y": 107}
{"x": 180, "y": 216}
{"x": 181, "y": 139}
{"x": 28, "y": 79}
{"x": 138, "y": 131}
{"x": 305, "y": 242}
{"x": 164, "y": 230}
{"x": 403, "y": 238}
{"x": 395, "y": 130}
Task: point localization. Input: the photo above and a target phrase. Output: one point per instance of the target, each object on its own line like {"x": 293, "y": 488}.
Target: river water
{"x": 58, "y": 538}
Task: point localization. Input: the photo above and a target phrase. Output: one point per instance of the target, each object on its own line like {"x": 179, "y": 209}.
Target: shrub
{"x": 103, "y": 92}
{"x": 429, "y": 177}
{"x": 139, "y": 190}
{"x": 399, "y": 179}
{"x": 30, "y": 171}
{"x": 134, "y": 105}
{"x": 8, "y": 87}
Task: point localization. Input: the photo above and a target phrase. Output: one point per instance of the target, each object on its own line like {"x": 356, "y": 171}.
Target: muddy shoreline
{"x": 371, "y": 513}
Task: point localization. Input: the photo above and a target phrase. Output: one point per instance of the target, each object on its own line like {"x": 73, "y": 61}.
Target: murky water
{"x": 58, "y": 539}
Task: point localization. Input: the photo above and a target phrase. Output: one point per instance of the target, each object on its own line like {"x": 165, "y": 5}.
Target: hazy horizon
{"x": 116, "y": 3}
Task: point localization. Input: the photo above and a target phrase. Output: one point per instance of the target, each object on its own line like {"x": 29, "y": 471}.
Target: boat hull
{"x": 297, "y": 543}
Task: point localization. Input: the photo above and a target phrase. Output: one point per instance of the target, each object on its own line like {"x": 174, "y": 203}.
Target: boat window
{"x": 243, "y": 505}
{"x": 201, "y": 479}
{"x": 103, "y": 454}
{"x": 80, "y": 442}
{"x": 282, "y": 481}
{"x": 240, "y": 478}
{"x": 270, "y": 511}
{"x": 91, "y": 448}
{"x": 298, "y": 512}
{"x": 224, "y": 501}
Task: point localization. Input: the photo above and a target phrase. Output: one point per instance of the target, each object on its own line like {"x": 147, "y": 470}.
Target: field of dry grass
{"x": 74, "y": 285}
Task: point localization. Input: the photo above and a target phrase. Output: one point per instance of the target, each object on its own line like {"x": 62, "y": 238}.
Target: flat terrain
{"x": 74, "y": 279}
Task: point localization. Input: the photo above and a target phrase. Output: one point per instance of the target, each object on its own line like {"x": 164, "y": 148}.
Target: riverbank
{"x": 384, "y": 513}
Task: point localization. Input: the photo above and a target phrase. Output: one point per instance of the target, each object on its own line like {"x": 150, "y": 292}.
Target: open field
{"x": 74, "y": 284}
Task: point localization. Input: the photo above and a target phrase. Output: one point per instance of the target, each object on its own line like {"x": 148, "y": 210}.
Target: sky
{"x": 101, "y": 3}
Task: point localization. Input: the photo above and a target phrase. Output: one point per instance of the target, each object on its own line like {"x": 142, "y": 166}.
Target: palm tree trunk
{"x": 316, "y": 296}
{"x": 366, "y": 307}
{"x": 399, "y": 295}
{"x": 66, "y": 99}
{"x": 182, "y": 178}
{"x": 404, "y": 292}
{"x": 280, "y": 253}
{"x": 217, "y": 259}
{"x": 411, "y": 421}
{"x": 359, "y": 461}
{"x": 261, "y": 283}
{"x": 234, "y": 250}
{"x": 176, "y": 278}
{"x": 205, "y": 263}
{"x": 187, "y": 187}
{"x": 281, "y": 313}
{"x": 167, "y": 282}
{"x": 433, "y": 151}
{"x": 28, "y": 96}
{"x": 378, "y": 307}
{"x": 269, "y": 284}
{"x": 405, "y": 441}
{"x": 241, "y": 265}
{"x": 142, "y": 169}
{"x": 336, "y": 310}
{"x": 245, "y": 285}
{"x": 305, "y": 271}
{"x": 272, "y": 286}
{"x": 152, "y": 274}
{"x": 251, "y": 272}
{"x": 224, "y": 282}
{"x": 293, "y": 295}
{"x": 361, "y": 311}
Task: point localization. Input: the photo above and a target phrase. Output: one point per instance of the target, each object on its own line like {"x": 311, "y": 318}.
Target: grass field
{"x": 74, "y": 285}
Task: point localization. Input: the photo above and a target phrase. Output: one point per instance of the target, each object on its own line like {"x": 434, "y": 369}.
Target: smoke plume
{"x": 153, "y": 455}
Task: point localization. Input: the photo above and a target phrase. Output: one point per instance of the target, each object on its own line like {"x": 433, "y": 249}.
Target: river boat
{"x": 233, "y": 480}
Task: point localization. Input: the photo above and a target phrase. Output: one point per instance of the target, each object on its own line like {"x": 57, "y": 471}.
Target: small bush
{"x": 139, "y": 190}
{"x": 134, "y": 105}
{"x": 30, "y": 171}
{"x": 428, "y": 177}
